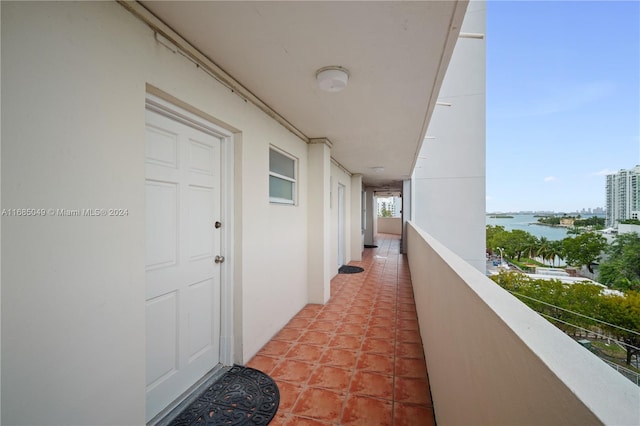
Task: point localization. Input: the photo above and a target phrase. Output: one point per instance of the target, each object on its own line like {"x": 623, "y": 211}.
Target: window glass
{"x": 281, "y": 164}
{"x": 280, "y": 188}
{"x": 282, "y": 178}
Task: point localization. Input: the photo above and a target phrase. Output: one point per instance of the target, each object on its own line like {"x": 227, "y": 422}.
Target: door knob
{"x": 219, "y": 259}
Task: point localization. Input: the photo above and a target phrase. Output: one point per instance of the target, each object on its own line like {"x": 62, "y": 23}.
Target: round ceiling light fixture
{"x": 332, "y": 79}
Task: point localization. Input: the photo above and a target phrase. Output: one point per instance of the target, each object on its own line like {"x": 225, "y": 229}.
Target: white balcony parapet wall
{"x": 488, "y": 352}
{"x": 390, "y": 225}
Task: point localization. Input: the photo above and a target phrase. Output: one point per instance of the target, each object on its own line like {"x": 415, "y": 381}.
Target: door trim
{"x": 200, "y": 122}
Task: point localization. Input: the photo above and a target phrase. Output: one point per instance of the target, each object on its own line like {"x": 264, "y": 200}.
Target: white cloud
{"x": 550, "y": 179}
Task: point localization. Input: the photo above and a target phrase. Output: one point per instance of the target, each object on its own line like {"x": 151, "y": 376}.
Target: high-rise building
{"x": 392, "y": 204}
{"x": 623, "y": 195}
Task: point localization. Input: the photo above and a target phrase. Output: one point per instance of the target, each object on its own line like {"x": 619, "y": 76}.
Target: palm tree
{"x": 532, "y": 247}
{"x": 554, "y": 250}
{"x": 543, "y": 248}
{"x": 574, "y": 230}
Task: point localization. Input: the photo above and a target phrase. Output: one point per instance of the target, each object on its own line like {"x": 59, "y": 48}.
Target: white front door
{"x": 182, "y": 241}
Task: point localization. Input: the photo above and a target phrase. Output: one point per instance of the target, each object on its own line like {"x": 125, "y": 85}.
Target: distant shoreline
{"x": 545, "y": 214}
{"x": 523, "y": 222}
{"x": 500, "y": 216}
{"x": 549, "y": 225}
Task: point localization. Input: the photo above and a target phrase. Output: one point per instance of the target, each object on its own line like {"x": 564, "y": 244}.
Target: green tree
{"x": 503, "y": 240}
{"x": 514, "y": 243}
{"x": 594, "y": 221}
{"x": 553, "y": 299}
{"x": 491, "y": 233}
{"x": 543, "y": 248}
{"x": 621, "y": 269}
{"x": 549, "y": 250}
{"x": 385, "y": 211}
{"x": 532, "y": 248}
{"x": 519, "y": 241}
{"x": 624, "y": 311}
{"x": 549, "y": 220}
{"x": 574, "y": 230}
{"x": 555, "y": 250}
{"x": 583, "y": 249}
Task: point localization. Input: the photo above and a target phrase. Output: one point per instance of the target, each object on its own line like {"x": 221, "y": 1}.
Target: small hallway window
{"x": 282, "y": 177}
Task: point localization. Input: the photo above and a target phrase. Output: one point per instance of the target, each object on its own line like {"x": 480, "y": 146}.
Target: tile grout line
{"x": 384, "y": 270}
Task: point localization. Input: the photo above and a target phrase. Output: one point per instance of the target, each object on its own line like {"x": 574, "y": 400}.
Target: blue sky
{"x": 563, "y": 101}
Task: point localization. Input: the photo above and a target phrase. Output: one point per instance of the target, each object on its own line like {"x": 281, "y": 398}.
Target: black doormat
{"x": 346, "y": 269}
{"x": 370, "y": 246}
{"x": 242, "y": 396}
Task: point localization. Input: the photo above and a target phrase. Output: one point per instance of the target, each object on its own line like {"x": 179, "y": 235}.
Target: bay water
{"x": 527, "y": 222}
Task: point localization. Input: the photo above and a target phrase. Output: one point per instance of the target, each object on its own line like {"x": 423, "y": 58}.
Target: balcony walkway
{"x": 357, "y": 360}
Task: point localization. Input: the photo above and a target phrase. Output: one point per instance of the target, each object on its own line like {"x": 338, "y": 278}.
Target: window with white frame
{"x": 282, "y": 177}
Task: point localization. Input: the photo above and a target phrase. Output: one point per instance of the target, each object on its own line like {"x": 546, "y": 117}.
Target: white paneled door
{"x": 182, "y": 242}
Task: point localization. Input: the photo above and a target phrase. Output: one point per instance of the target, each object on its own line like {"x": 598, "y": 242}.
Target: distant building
{"x": 392, "y": 204}
{"x": 623, "y": 196}
{"x": 594, "y": 211}
{"x": 567, "y": 221}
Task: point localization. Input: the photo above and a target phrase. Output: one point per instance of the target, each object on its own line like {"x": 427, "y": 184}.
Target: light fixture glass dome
{"x": 332, "y": 79}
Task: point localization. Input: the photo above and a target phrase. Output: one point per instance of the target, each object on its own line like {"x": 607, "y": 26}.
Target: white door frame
{"x": 159, "y": 105}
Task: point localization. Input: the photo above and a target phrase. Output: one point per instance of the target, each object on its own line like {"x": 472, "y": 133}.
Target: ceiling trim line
{"x": 325, "y": 141}
{"x": 192, "y": 53}
{"x": 341, "y": 167}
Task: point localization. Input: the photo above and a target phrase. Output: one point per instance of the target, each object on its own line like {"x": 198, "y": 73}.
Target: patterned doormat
{"x": 347, "y": 269}
{"x": 242, "y": 396}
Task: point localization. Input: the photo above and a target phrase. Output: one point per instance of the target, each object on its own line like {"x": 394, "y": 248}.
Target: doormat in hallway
{"x": 370, "y": 246}
{"x": 346, "y": 269}
{"x": 242, "y": 396}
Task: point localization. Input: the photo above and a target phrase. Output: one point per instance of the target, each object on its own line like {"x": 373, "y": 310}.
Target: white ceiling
{"x": 396, "y": 53}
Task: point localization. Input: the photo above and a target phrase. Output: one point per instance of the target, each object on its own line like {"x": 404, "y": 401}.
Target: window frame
{"x": 294, "y": 181}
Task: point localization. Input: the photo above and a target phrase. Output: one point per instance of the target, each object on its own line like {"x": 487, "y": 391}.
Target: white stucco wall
{"x": 73, "y": 288}
{"x": 627, "y": 228}
{"x": 507, "y": 364}
{"x": 390, "y": 225}
{"x": 448, "y": 184}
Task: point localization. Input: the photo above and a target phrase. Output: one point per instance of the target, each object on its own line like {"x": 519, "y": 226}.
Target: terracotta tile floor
{"x": 357, "y": 360}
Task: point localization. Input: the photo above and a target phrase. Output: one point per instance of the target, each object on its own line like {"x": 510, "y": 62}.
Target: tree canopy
{"x": 584, "y": 249}
{"x": 621, "y": 269}
{"x": 514, "y": 243}
{"x": 554, "y": 299}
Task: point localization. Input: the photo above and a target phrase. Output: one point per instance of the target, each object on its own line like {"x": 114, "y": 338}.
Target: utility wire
{"x": 576, "y": 313}
{"x": 587, "y": 330}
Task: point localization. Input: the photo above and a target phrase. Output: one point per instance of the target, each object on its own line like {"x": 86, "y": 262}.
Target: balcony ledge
{"x": 508, "y": 364}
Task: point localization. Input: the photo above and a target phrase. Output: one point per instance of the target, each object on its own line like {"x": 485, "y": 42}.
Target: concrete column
{"x": 356, "y": 218}
{"x": 319, "y": 221}
{"x": 371, "y": 215}
{"x": 406, "y": 212}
